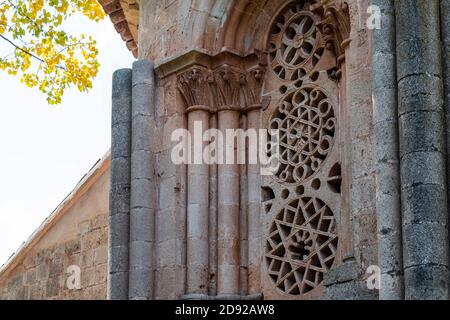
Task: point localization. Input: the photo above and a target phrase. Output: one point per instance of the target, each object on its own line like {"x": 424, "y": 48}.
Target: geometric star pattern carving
{"x": 301, "y": 245}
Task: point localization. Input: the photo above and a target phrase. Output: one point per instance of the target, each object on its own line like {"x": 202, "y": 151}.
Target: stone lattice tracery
{"x": 302, "y": 199}
{"x": 301, "y": 245}
{"x": 295, "y": 44}
{"x": 306, "y": 122}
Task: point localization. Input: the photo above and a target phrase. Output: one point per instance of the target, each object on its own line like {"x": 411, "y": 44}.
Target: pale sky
{"x": 45, "y": 150}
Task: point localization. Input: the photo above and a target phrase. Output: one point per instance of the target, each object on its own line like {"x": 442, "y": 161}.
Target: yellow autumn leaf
{"x": 43, "y": 54}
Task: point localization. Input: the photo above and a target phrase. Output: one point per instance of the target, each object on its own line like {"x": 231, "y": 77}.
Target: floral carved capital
{"x": 195, "y": 87}
{"x": 222, "y": 85}
{"x": 228, "y": 82}
{"x": 254, "y": 79}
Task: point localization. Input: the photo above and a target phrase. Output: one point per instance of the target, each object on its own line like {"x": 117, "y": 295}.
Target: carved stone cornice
{"x": 124, "y": 14}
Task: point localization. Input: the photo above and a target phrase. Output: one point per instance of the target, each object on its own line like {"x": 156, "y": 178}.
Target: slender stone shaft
{"x": 384, "y": 84}
{"x": 422, "y": 149}
{"x": 445, "y": 33}
{"x": 119, "y": 202}
{"x": 253, "y": 210}
{"x": 212, "y": 227}
{"x": 243, "y": 216}
{"x": 197, "y": 205}
{"x": 142, "y": 212}
{"x": 348, "y": 230}
{"x": 228, "y": 212}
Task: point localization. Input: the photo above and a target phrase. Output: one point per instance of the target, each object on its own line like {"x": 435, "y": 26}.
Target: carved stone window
{"x": 301, "y": 202}
{"x": 295, "y": 44}
{"x": 306, "y": 123}
{"x": 301, "y": 245}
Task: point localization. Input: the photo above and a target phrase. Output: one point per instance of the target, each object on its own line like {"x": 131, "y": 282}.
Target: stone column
{"x": 347, "y": 238}
{"x": 142, "y": 212}
{"x": 422, "y": 149}
{"x": 228, "y": 216}
{"x": 243, "y": 216}
{"x": 228, "y": 251}
{"x": 253, "y": 212}
{"x": 197, "y": 206}
{"x": 195, "y": 89}
{"x": 384, "y": 85}
{"x": 253, "y": 108}
{"x": 119, "y": 201}
{"x": 212, "y": 227}
{"x": 445, "y": 33}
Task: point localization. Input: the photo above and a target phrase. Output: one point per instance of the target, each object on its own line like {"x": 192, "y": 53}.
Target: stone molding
{"x": 124, "y": 14}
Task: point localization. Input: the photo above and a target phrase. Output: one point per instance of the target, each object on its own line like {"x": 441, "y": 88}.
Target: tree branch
{"x": 21, "y": 49}
{"x": 19, "y": 11}
{"x": 27, "y": 52}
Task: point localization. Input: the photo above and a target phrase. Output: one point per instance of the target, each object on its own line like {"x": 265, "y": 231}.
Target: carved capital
{"x": 228, "y": 81}
{"x": 195, "y": 87}
{"x": 252, "y": 87}
{"x": 335, "y": 26}
{"x": 225, "y": 81}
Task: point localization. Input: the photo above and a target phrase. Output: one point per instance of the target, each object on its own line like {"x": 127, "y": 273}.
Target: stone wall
{"x": 177, "y": 35}
{"x": 347, "y": 281}
{"x": 76, "y": 234}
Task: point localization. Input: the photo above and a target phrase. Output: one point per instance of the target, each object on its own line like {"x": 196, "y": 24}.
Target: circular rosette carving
{"x": 294, "y": 42}
{"x": 306, "y": 126}
{"x": 301, "y": 245}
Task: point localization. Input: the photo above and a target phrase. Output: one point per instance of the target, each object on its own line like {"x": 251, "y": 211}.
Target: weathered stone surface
{"x": 414, "y": 138}
{"x": 428, "y": 282}
{"x": 445, "y": 34}
{"x": 422, "y": 150}
{"x": 422, "y": 167}
{"x": 142, "y": 195}
{"x": 345, "y": 283}
{"x": 420, "y": 92}
{"x": 427, "y": 247}
{"x": 417, "y": 28}
{"x": 420, "y": 204}
{"x": 46, "y": 278}
{"x": 119, "y": 196}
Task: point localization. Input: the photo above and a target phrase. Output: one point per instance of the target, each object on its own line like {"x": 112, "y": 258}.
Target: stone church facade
{"x": 361, "y": 185}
